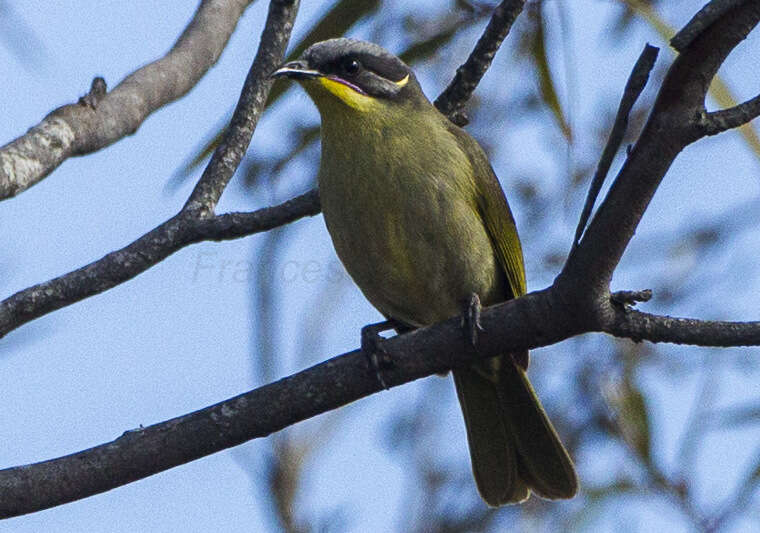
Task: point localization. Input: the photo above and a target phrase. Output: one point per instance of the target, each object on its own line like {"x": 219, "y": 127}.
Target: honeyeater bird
{"x": 420, "y": 222}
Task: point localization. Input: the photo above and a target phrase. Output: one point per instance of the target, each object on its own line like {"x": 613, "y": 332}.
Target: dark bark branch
{"x": 578, "y": 302}
{"x": 537, "y": 319}
{"x": 453, "y": 98}
{"x": 674, "y": 123}
{"x": 321, "y": 388}
{"x": 633, "y": 88}
{"x": 639, "y": 326}
{"x": 192, "y": 224}
{"x": 711, "y": 12}
{"x": 99, "y": 120}
{"x": 153, "y": 247}
{"x": 733, "y": 117}
{"x": 237, "y": 137}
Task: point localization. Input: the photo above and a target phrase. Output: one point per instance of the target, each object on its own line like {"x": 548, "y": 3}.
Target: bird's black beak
{"x": 297, "y": 70}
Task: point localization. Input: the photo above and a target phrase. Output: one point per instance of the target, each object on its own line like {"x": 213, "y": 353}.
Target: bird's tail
{"x": 513, "y": 446}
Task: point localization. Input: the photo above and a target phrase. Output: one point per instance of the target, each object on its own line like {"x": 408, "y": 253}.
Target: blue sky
{"x": 181, "y": 336}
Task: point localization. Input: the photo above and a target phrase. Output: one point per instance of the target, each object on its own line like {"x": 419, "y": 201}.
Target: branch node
{"x": 734, "y": 117}
{"x": 629, "y": 298}
{"x": 98, "y": 90}
{"x": 459, "y": 117}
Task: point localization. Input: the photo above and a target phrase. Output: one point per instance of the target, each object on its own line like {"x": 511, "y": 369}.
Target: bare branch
{"x": 711, "y": 12}
{"x": 578, "y": 302}
{"x": 733, "y": 117}
{"x": 453, "y": 98}
{"x": 534, "y": 320}
{"x": 192, "y": 223}
{"x": 672, "y": 125}
{"x": 253, "y": 97}
{"x": 94, "y": 123}
{"x": 640, "y": 326}
{"x": 633, "y": 88}
{"x": 153, "y": 247}
{"x": 323, "y": 387}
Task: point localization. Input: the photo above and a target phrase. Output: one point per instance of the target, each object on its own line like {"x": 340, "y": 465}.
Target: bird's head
{"x": 356, "y": 75}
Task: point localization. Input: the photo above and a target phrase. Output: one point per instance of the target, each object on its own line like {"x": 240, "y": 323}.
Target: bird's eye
{"x": 350, "y": 66}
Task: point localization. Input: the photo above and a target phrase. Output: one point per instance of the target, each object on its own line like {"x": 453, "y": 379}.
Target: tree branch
{"x": 453, "y": 98}
{"x": 96, "y": 122}
{"x": 633, "y": 88}
{"x": 152, "y": 248}
{"x": 639, "y": 326}
{"x": 534, "y": 320}
{"x": 192, "y": 224}
{"x": 578, "y": 302}
{"x": 709, "y": 13}
{"x": 733, "y": 117}
{"x": 253, "y": 97}
{"x": 673, "y": 124}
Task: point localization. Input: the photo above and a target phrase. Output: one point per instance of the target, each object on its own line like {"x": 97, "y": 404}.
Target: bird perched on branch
{"x": 419, "y": 220}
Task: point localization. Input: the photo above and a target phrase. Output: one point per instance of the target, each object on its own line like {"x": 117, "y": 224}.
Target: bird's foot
{"x": 378, "y": 358}
{"x": 471, "y": 319}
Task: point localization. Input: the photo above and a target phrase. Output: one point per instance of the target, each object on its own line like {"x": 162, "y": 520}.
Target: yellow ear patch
{"x": 403, "y": 81}
{"x": 349, "y": 96}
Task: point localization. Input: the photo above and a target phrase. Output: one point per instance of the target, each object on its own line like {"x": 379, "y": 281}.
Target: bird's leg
{"x": 372, "y": 348}
{"x": 471, "y": 318}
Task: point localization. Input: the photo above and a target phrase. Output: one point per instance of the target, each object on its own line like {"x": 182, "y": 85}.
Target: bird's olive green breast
{"x": 400, "y": 203}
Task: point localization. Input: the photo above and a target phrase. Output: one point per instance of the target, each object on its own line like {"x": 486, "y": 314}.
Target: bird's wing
{"x": 494, "y": 209}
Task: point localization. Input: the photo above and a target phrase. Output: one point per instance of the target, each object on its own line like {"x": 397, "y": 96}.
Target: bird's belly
{"x": 417, "y": 250}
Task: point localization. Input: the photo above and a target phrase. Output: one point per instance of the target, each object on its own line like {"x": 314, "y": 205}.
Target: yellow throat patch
{"x": 349, "y": 96}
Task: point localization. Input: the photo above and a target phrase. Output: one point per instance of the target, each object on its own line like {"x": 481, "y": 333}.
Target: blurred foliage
{"x": 601, "y": 392}
{"x": 534, "y": 45}
{"x": 19, "y": 38}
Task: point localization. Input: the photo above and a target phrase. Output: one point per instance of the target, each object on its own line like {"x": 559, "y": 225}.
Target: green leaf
{"x": 546, "y": 85}
{"x": 632, "y": 417}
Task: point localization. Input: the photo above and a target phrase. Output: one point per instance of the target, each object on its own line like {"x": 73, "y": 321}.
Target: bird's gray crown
{"x": 330, "y": 56}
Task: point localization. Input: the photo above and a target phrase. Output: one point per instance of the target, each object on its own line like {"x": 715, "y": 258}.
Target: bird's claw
{"x": 378, "y": 358}
{"x": 471, "y": 319}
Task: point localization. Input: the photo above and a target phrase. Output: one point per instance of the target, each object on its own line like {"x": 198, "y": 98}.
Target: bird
{"x": 420, "y": 222}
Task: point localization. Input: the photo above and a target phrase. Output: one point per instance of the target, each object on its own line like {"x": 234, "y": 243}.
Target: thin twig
{"x": 733, "y": 117}
{"x": 150, "y": 249}
{"x": 640, "y": 326}
{"x": 253, "y": 97}
{"x": 453, "y": 98}
{"x": 633, "y": 88}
